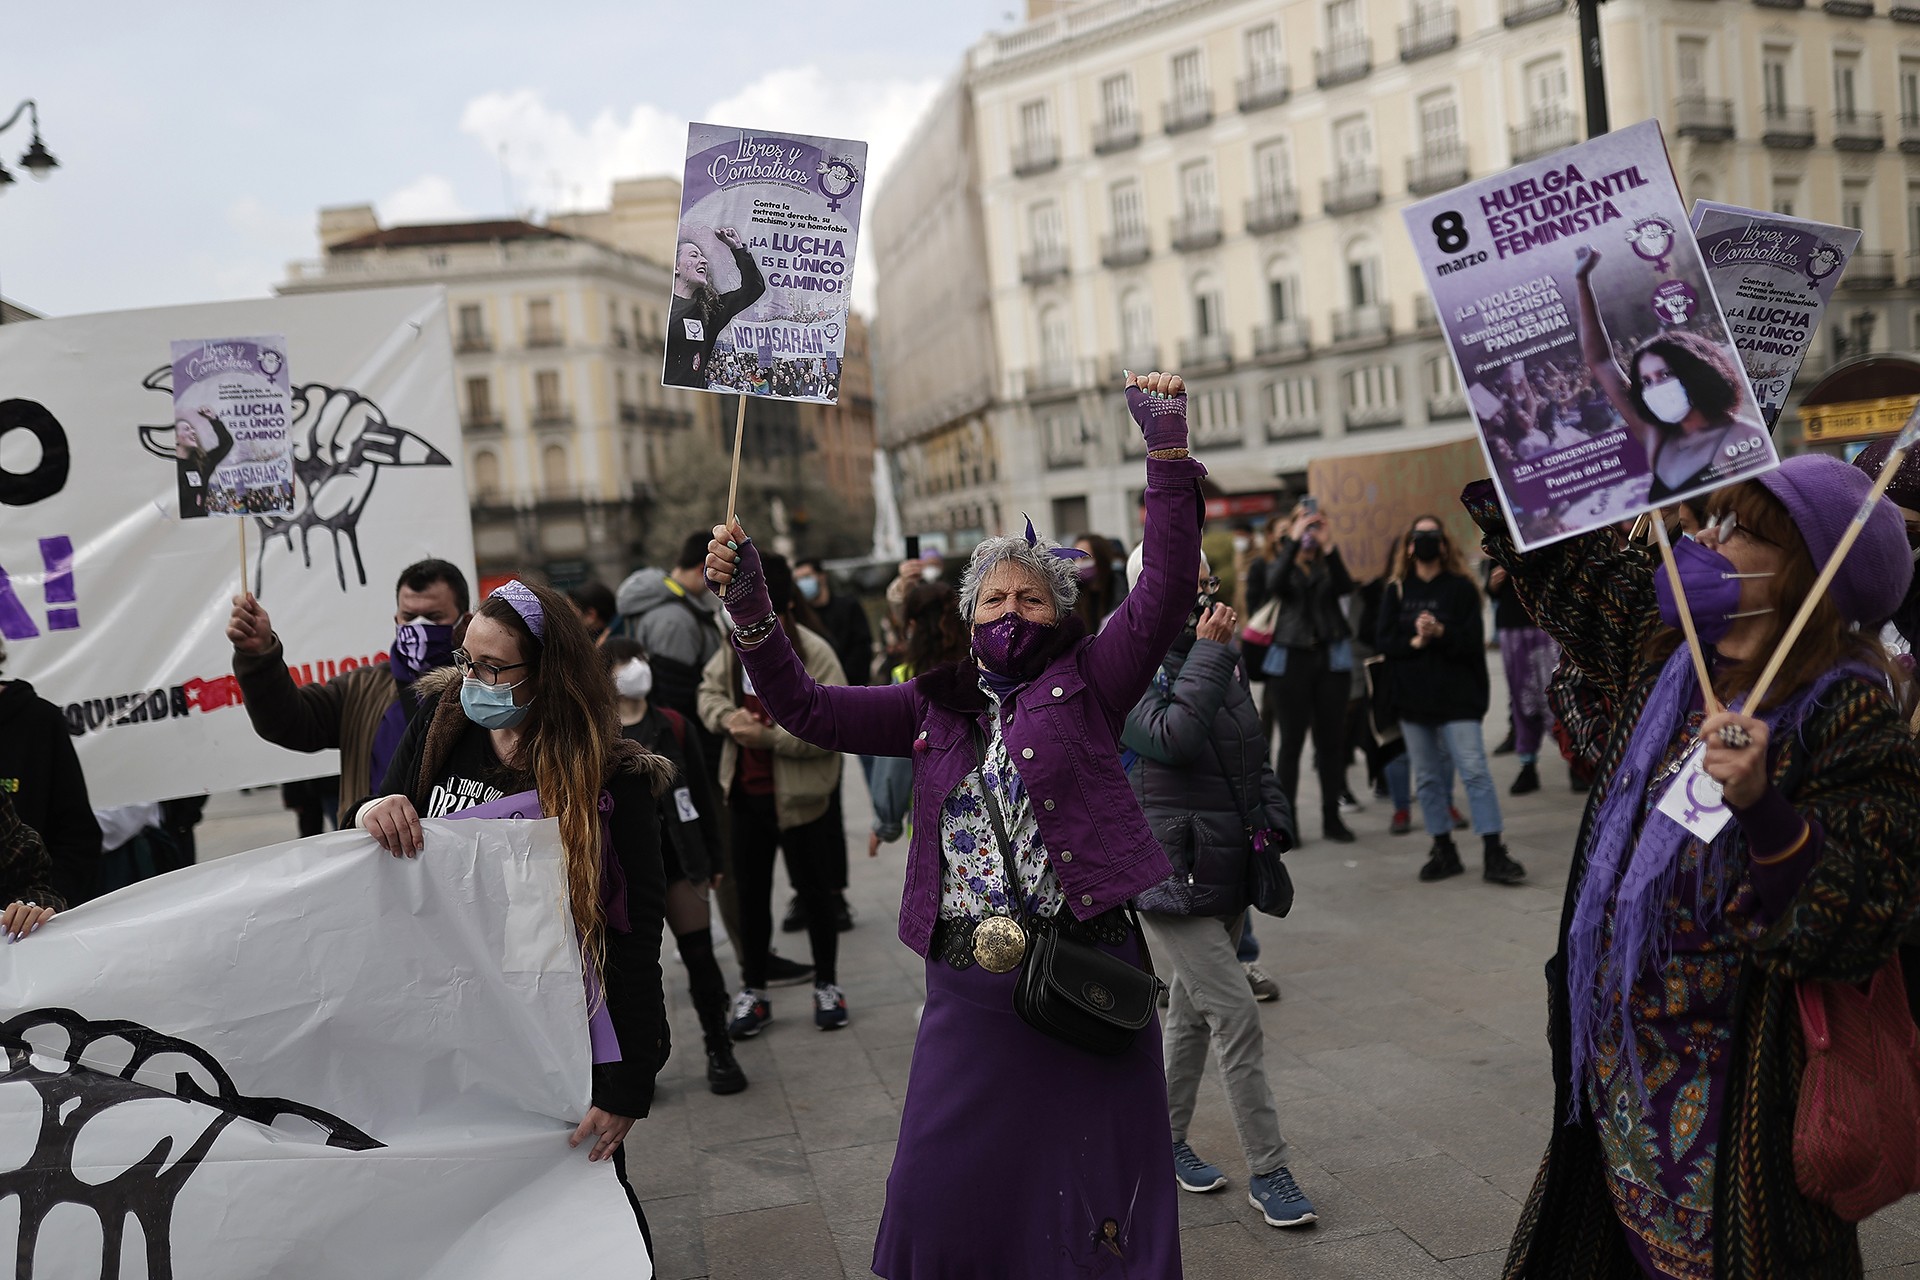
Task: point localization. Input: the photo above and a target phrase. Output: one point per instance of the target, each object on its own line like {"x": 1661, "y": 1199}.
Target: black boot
{"x": 1528, "y": 781}
{"x": 1443, "y": 860}
{"x": 708, "y": 988}
{"x": 1334, "y": 829}
{"x": 795, "y": 920}
{"x": 1498, "y": 866}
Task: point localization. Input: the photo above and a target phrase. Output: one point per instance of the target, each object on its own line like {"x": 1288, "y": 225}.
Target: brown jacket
{"x": 804, "y": 776}
{"x": 344, "y": 712}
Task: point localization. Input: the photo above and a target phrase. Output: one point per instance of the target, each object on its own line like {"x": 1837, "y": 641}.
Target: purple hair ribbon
{"x": 1059, "y": 553}
{"x": 517, "y": 594}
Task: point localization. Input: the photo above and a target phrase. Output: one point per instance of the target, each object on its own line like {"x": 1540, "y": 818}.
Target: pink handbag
{"x": 1856, "y": 1133}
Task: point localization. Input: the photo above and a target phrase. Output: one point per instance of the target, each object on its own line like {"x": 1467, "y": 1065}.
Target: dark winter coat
{"x": 1309, "y": 595}
{"x": 1202, "y": 758}
{"x": 697, "y": 844}
{"x": 41, "y": 771}
{"x": 1441, "y": 682}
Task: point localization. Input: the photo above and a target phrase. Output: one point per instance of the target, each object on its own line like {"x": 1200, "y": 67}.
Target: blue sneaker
{"x": 1280, "y": 1200}
{"x": 829, "y": 1007}
{"x": 751, "y": 1012}
{"x": 1193, "y": 1173}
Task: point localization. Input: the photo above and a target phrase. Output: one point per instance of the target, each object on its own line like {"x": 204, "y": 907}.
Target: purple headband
{"x": 1058, "y": 553}
{"x": 517, "y": 594}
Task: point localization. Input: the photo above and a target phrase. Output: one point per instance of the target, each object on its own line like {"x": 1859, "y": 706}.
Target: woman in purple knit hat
{"x": 1690, "y": 921}
{"x": 1019, "y": 1154}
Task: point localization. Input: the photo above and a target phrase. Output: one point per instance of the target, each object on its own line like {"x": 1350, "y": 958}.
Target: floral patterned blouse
{"x": 973, "y": 878}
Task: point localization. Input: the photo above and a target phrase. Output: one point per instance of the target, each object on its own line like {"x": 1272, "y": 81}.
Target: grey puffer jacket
{"x": 1196, "y": 728}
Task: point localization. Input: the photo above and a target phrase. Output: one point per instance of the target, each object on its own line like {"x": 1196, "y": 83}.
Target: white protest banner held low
{"x": 313, "y": 1061}
{"x": 114, "y": 607}
{"x": 763, "y": 263}
{"x": 1584, "y": 326}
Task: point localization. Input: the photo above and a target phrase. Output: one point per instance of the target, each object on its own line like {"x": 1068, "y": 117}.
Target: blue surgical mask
{"x": 490, "y": 706}
{"x": 809, "y": 587}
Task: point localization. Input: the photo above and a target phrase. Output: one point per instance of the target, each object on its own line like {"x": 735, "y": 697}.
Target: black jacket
{"x": 691, "y": 334}
{"x": 1202, "y": 757}
{"x": 1310, "y": 614}
{"x": 636, "y": 1000}
{"x": 1444, "y": 681}
{"x": 39, "y": 766}
{"x": 845, "y": 625}
{"x": 697, "y": 845}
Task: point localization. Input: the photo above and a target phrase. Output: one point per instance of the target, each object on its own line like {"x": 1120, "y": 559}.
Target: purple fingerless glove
{"x": 746, "y": 596}
{"x": 1162, "y": 419}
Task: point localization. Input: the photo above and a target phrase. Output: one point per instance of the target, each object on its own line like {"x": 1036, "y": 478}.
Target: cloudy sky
{"x": 197, "y": 140}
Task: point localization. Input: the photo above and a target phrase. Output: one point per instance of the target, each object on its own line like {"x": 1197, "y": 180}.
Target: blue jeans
{"x": 1441, "y": 750}
{"x": 1399, "y": 771}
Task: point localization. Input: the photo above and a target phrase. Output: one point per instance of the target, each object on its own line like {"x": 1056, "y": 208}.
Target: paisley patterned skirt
{"x": 1022, "y": 1156}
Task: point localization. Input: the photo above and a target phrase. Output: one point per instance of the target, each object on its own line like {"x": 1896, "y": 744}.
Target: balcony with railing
{"x": 1282, "y": 341}
{"x": 1708, "y": 119}
{"x": 1904, "y": 13}
{"x": 657, "y": 415}
{"x": 483, "y": 420}
{"x": 1067, "y": 445}
{"x": 552, "y": 415}
{"x": 1125, "y": 248}
{"x": 472, "y": 341}
{"x": 1268, "y": 87}
{"x": 1858, "y": 131}
{"x": 1913, "y": 267}
{"x": 1110, "y": 136}
{"x": 1345, "y": 60}
{"x": 620, "y": 337}
{"x": 1426, "y": 320}
{"x": 1274, "y": 210}
{"x": 1543, "y": 135}
{"x": 1053, "y": 379}
{"x": 1869, "y": 269}
{"x": 1440, "y": 168}
{"x": 1351, "y": 191}
{"x": 1780, "y": 4}
{"x": 1196, "y": 229}
{"x": 1910, "y": 133}
{"x": 1207, "y": 352}
{"x": 1446, "y": 404}
{"x": 1433, "y": 31}
{"x": 1366, "y": 417}
{"x": 1517, "y": 13}
{"x": 1364, "y": 326}
{"x": 1786, "y": 128}
{"x": 544, "y": 337}
{"x": 630, "y": 414}
{"x": 1044, "y": 264}
{"x": 1848, "y": 8}
{"x": 1132, "y": 360}
{"x": 1035, "y": 155}
{"x": 1190, "y": 112}
{"x": 1292, "y": 421}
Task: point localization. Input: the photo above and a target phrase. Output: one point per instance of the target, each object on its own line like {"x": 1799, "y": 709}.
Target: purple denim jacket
{"x": 1063, "y": 729}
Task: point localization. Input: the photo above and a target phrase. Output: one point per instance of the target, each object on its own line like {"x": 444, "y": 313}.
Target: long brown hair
{"x": 1827, "y": 642}
{"x": 571, "y": 745}
{"x": 1451, "y": 560}
{"x": 935, "y": 635}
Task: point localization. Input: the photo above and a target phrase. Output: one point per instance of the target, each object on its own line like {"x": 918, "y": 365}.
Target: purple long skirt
{"x": 1021, "y": 1156}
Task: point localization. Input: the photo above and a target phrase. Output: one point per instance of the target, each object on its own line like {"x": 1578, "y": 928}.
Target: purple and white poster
{"x": 1584, "y": 324}
{"x": 1775, "y": 276}
{"x": 232, "y": 403}
{"x": 763, "y": 263}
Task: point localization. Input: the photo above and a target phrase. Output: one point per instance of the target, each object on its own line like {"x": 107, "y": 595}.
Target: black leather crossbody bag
{"x": 1067, "y": 989}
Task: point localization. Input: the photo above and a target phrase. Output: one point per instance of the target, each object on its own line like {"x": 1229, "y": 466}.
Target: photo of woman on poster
{"x": 701, "y": 313}
{"x": 198, "y": 461}
{"x": 1683, "y": 395}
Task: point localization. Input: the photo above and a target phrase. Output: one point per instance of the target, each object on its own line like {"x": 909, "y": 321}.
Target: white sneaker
{"x": 1349, "y": 803}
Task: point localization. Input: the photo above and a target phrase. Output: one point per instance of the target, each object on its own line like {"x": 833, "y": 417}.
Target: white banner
{"x": 313, "y": 1060}
{"x": 115, "y": 608}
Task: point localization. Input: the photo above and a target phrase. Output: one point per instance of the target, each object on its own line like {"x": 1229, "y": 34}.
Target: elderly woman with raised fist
{"x": 1034, "y": 1139}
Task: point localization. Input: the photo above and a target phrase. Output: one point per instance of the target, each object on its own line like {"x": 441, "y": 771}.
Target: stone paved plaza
{"x": 1407, "y": 1056}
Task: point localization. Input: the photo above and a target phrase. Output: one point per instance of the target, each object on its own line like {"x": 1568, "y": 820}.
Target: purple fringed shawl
{"x": 1640, "y": 860}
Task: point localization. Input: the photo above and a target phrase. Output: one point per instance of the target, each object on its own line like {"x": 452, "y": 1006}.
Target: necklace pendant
{"x": 999, "y": 944}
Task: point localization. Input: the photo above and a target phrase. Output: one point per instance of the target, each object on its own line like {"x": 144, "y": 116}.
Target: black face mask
{"x": 1426, "y": 547}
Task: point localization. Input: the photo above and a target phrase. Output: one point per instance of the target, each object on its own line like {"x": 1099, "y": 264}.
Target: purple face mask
{"x": 419, "y": 647}
{"x": 1012, "y": 646}
{"x": 1712, "y": 584}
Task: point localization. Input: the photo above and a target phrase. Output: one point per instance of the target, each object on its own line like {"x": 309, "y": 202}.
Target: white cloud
{"x": 428, "y": 198}
{"x": 557, "y": 163}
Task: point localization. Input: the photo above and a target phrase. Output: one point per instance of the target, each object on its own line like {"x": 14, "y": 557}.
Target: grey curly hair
{"x": 1036, "y": 558}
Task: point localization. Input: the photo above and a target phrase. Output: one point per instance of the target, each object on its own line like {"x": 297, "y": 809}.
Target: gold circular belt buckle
{"x": 999, "y": 944}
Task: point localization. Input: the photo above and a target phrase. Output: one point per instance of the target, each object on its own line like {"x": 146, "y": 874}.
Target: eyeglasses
{"x": 485, "y": 672}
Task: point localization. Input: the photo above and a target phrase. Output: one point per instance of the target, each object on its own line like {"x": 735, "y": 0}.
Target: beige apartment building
{"x": 1215, "y": 186}
{"x": 558, "y": 334}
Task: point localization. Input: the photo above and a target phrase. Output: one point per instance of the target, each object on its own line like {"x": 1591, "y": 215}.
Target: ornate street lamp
{"x": 37, "y": 160}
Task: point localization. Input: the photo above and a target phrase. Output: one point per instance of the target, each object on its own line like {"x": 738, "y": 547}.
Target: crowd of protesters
{"x": 1094, "y": 760}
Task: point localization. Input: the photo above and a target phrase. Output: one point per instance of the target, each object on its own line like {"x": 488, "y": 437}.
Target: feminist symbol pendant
{"x": 999, "y": 944}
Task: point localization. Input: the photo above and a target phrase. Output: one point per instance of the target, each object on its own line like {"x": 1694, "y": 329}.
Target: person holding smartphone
{"x": 1309, "y": 667}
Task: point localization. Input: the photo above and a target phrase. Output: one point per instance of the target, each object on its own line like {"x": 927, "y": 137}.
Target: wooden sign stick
{"x": 739, "y": 435}
{"x": 242, "y": 522}
{"x": 1908, "y": 435}
{"x": 1686, "y": 617}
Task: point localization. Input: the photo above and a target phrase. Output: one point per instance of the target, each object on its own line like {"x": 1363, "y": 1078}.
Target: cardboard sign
{"x": 763, "y": 263}
{"x": 1587, "y": 334}
{"x": 1774, "y": 276}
